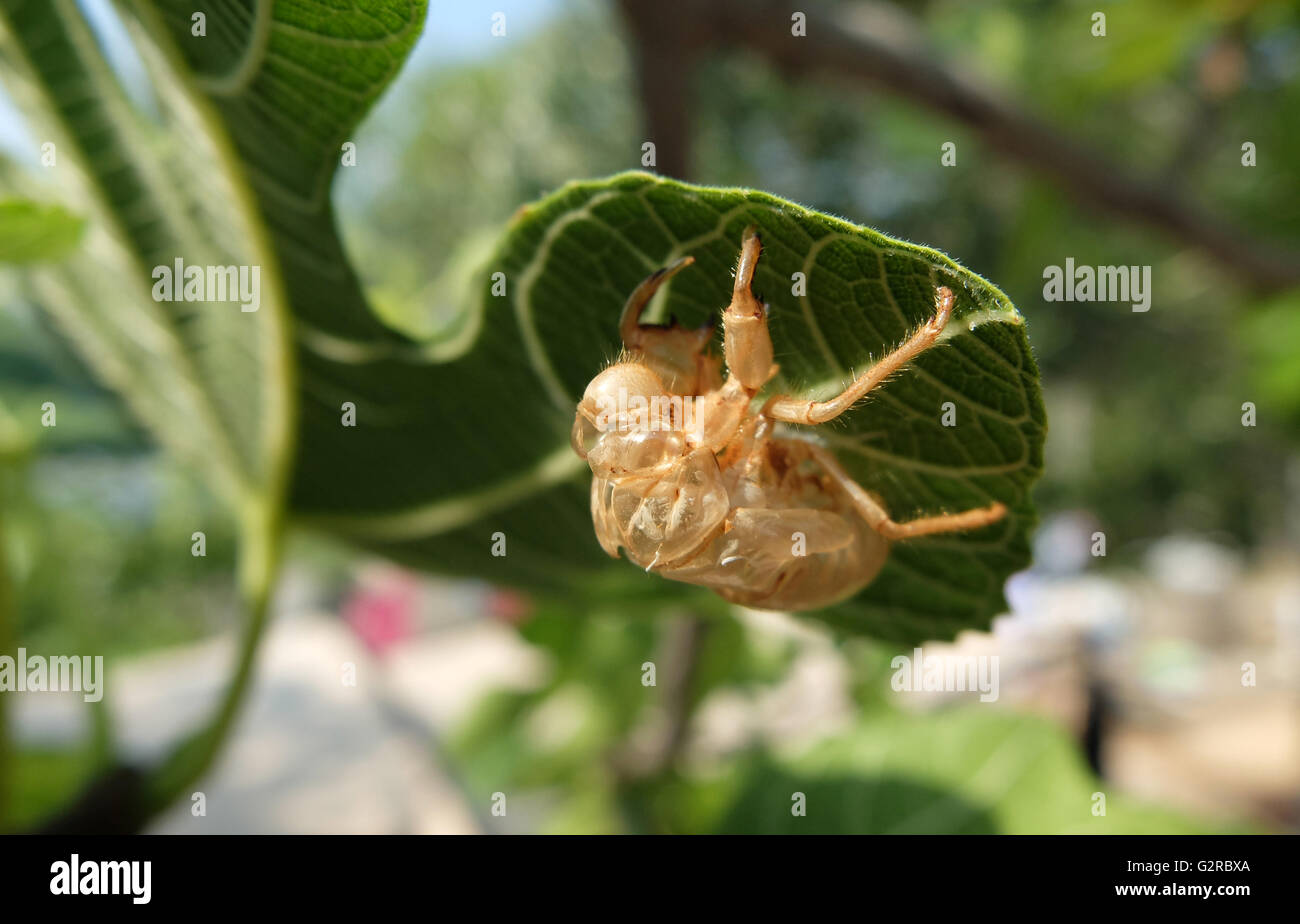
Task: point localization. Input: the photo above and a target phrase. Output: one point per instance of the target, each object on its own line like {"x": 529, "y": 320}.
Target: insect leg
{"x": 878, "y": 518}
{"x": 747, "y": 345}
{"x": 798, "y": 410}
{"x": 630, "y": 327}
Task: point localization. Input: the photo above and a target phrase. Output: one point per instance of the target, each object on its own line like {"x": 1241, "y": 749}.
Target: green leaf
{"x": 467, "y": 435}
{"x": 31, "y": 232}
{"x": 43, "y": 779}
{"x": 211, "y": 376}
{"x": 213, "y": 382}
{"x": 300, "y": 77}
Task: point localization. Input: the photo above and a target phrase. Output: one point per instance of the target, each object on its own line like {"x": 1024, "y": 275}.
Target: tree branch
{"x": 664, "y": 57}
{"x": 679, "y": 658}
{"x": 835, "y": 50}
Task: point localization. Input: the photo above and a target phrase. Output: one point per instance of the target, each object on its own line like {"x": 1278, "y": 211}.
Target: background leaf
{"x": 212, "y": 381}
{"x": 290, "y": 81}
{"x": 31, "y": 232}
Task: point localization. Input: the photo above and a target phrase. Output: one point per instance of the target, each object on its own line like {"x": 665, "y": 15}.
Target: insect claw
{"x": 630, "y": 321}
{"x": 750, "y": 248}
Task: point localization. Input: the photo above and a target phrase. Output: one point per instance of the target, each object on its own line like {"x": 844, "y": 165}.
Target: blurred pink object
{"x": 508, "y": 606}
{"x": 381, "y": 609}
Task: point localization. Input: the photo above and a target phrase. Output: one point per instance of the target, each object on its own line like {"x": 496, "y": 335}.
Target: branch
{"x": 664, "y": 57}
{"x": 685, "y": 645}
{"x": 680, "y": 659}
{"x": 834, "y": 50}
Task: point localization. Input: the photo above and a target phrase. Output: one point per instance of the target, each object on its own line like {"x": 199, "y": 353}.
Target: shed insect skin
{"x": 719, "y": 504}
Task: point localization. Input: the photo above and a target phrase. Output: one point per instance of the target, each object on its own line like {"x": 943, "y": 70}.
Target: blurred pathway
{"x": 311, "y": 754}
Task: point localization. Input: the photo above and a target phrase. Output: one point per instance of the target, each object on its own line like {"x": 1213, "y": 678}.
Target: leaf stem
{"x": 8, "y": 639}
{"x": 191, "y": 759}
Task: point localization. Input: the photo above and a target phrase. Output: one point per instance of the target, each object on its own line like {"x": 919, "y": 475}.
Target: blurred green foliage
{"x": 97, "y": 524}
{"x": 31, "y": 232}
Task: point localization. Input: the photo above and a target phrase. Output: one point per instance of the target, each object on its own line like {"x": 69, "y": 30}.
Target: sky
{"x": 457, "y": 32}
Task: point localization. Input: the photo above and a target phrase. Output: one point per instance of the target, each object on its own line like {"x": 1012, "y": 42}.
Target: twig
{"x": 678, "y": 667}
{"x": 664, "y": 55}
{"x": 685, "y": 644}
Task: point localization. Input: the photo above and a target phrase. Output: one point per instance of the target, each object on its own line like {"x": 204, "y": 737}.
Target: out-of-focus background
{"x": 1162, "y": 674}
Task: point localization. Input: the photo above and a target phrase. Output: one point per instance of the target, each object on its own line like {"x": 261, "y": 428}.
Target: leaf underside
{"x": 467, "y": 434}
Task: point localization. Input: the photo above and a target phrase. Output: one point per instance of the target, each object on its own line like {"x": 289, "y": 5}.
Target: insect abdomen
{"x": 661, "y": 520}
